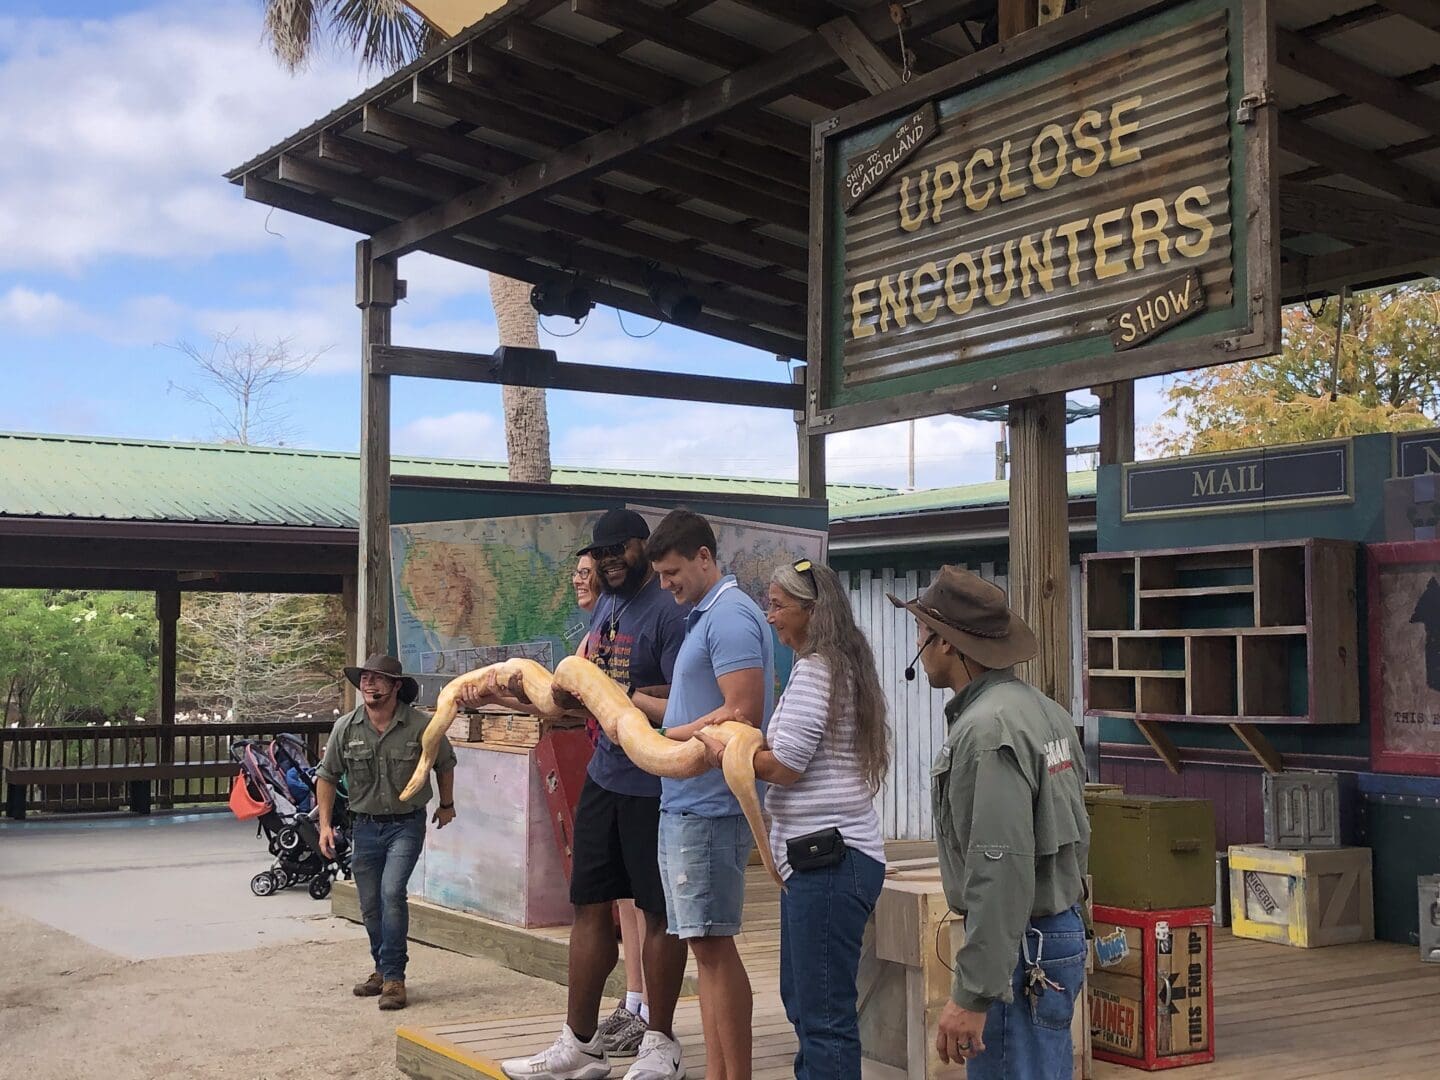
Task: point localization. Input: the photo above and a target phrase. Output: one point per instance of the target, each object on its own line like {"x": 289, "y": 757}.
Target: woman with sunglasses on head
{"x": 827, "y": 753}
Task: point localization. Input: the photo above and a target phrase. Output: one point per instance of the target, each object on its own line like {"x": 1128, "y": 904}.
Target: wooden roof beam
{"x": 778, "y": 174}
{"x": 1414, "y": 80}
{"x": 436, "y": 142}
{"x": 1363, "y": 165}
{"x": 1424, "y": 12}
{"x": 861, "y": 55}
{"x": 607, "y": 150}
{"x": 1356, "y": 218}
{"x": 436, "y": 183}
{"x": 561, "y": 251}
{"x": 560, "y": 95}
{"x": 687, "y": 181}
{"x": 1303, "y": 277}
{"x": 644, "y": 85}
{"x": 703, "y": 43}
{"x": 1357, "y": 81}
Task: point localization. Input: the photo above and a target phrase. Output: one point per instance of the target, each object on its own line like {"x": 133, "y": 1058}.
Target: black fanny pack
{"x": 815, "y": 851}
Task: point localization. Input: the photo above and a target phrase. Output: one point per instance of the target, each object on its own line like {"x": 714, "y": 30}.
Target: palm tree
{"x": 388, "y": 34}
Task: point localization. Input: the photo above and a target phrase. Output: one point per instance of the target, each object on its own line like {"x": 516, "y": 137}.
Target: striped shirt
{"x": 832, "y": 792}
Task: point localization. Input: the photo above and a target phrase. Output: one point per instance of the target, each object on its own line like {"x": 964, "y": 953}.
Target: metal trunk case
{"x": 1149, "y": 852}
{"x": 1309, "y": 810}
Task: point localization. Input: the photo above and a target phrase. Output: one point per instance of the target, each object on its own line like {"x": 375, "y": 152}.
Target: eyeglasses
{"x": 609, "y": 551}
{"x": 582, "y": 575}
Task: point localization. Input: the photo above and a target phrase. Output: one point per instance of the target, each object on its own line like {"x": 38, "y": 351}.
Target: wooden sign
{"x": 1404, "y": 599}
{"x": 866, "y": 173}
{"x": 978, "y": 259}
{"x": 1417, "y": 453}
{"x": 1308, "y": 474}
{"x": 1157, "y": 311}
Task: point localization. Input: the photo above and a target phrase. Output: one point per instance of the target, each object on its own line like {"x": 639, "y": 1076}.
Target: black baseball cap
{"x": 615, "y": 527}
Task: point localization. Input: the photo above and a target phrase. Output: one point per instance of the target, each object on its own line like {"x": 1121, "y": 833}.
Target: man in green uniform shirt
{"x": 375, "y": 748}
{"x": 1010, "y": 823}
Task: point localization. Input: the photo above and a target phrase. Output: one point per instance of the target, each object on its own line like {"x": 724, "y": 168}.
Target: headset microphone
{"x": 910, "y": 671}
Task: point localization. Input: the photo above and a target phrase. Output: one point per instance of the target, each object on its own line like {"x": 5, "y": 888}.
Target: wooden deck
{"x": 1370, "y": 1010}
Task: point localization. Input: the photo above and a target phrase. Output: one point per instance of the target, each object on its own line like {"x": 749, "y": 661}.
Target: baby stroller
{"x": 275, "y": 781}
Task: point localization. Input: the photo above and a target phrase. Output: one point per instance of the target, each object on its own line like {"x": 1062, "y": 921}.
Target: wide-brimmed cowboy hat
{"x": 381, "y": 664}
{"x": 973, "y": 615}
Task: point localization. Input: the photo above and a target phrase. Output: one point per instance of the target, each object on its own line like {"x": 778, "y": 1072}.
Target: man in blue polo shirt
{"x": 725, "y": 670}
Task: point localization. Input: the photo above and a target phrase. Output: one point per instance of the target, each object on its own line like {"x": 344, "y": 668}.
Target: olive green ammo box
{"x": 1151, "y": 853}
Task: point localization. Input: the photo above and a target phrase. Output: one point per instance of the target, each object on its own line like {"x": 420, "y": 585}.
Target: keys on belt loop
{"x": 1036, "y": 981}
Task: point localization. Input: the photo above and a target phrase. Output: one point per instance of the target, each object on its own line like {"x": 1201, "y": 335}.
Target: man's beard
{"x": 634, "y": 578}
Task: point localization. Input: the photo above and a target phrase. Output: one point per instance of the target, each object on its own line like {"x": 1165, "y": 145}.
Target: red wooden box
{"x": 1152, "y": 1005}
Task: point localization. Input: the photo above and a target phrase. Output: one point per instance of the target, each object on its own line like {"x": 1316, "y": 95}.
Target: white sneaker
{"x": 566, "y": 1059}
{"x": 658, "y": 1059}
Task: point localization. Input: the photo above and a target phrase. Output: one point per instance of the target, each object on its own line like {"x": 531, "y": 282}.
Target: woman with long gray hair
{"x": 827, "y": 753}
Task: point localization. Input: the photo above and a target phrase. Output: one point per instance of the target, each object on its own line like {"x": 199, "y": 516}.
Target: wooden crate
{"x": 1302, "y": 898}
{"x": 1151, "y": 993}
{"x": 904, "y": 980}
{"x": 520, "y": 729}
{"x": 467, "y": 728}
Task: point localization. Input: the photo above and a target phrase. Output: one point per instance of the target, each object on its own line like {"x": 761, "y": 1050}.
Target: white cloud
{"x": 468, "y": 434}
{"x": 117, "y": 132}
{"x": 30, "y": 312}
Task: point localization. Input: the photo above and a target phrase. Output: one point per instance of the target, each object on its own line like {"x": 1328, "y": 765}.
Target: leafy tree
{"x": 1387, "y": 379}
{"x": 70, "y": 657}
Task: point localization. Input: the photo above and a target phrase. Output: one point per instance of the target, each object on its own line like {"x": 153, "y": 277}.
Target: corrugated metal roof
{"x": 965, "y": 497}
{"x": 136, "y": 480}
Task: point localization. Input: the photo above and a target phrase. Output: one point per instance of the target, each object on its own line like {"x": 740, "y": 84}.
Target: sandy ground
{"x": 72, "y": 1010}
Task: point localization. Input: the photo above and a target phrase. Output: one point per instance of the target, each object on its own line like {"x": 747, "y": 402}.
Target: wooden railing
{"x": 200, "y": 746}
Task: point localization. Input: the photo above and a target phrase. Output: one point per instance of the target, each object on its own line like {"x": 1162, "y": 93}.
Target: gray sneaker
{"x": 621, "y": 1032}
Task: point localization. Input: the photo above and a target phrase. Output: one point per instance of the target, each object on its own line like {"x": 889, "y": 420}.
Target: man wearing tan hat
{"x": 1014, "y": 839}
{"x": 375, "y": 748}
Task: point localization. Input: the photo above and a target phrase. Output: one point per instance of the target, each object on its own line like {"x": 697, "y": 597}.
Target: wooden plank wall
{"x": 1234, "y": 791}
{"x": 917, "y": 717}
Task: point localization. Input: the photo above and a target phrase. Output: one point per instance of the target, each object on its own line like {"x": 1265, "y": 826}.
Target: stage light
{"x": 675, "y": 303}
{"x": 562, "y": 296}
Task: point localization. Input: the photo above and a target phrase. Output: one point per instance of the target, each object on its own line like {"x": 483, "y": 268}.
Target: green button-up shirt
{"x": 1008, "y": 794}
{"x": 377, "y": 767}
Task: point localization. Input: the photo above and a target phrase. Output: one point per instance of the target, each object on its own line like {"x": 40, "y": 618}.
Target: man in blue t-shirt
{"x": 725, "y": 670}
{"x": 635, "y": 634}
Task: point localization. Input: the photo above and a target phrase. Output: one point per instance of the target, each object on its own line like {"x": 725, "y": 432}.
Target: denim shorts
{"x": 702, "y": 864}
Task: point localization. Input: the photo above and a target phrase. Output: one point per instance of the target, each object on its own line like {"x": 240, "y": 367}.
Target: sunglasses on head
{"x": 805, "y": 566}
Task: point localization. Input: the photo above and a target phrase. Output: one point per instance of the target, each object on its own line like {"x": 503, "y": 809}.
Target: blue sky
{"x": 119, "y": 238}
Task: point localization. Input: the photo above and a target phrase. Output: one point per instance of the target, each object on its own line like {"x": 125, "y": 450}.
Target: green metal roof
{"x": 965, "y": 497}
{"x": 136, "y": 480}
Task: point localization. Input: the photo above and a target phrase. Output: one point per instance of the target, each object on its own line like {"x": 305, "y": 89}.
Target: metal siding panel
{"x": 1184, "y": 140}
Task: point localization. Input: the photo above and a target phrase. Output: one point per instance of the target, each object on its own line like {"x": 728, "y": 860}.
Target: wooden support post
{"x": 167, "y": 613}
{"x": 1117, "y": 422}
{"x": 349, "y": 586}
{"x": 811, "y": 451}
{"x": 1039, "y": 499}
{"x": 375, "y": 297}
{"x": 1040, "y": 539}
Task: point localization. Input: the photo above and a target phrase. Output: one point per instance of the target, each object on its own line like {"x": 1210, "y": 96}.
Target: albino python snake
{"x": 625, "y": 725}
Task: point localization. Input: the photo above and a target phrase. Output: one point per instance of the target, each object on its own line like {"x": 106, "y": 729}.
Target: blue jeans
{"x": 702, "y": 867}
{"x": 1029, "y": 1039}
{"x": 382, "y": 857}
{"x": 822, "y": 921}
